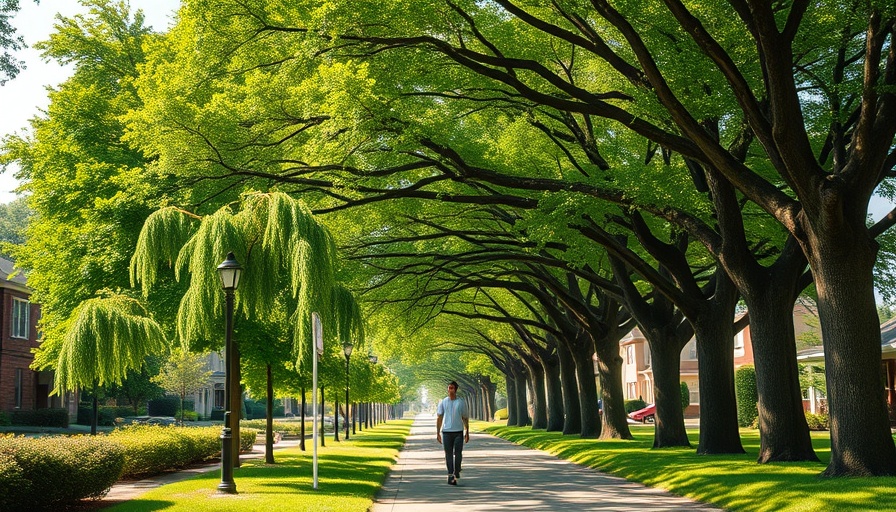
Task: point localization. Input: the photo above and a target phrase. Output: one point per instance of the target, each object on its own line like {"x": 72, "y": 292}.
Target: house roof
{"x": 7, "y": 269}
{"x": 887, "y": 345}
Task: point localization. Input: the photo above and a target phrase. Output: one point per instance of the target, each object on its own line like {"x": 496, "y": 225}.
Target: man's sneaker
{"x": 457, "y": 476}
{"x": 451, "y": 480}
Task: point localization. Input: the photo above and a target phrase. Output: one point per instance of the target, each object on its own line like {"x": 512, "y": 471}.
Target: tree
{"x": 89, "y": 192}
{"x": 288, "y": 261}
{"x": 183, "y": 373}
{"x": 138, "y": 387}
{"x": 107, "y": 337}
{"x": 14, "y": 217}
{"x": 9, "y": 41}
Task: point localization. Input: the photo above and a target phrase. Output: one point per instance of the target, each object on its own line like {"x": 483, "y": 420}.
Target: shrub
{"x": 14, "y": 487}
{"x": 817, "y": 421}
{"x": 151, "y": 449}
{"x": 5, "y": 420}
{"x": 685, "y": 396}
{"x": 501, "y": 414}
{"x": 634, "y": 405}
{"x": 106, "y": 414}
{"x": 53, "y": 472}
{"x": 165, "y": 406}
{"x": 41, "y": 418}
{"x": 747, "y": 398}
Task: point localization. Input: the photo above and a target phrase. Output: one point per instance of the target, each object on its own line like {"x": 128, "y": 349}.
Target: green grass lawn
{"x": 733, "y": 482}
{"x": 349, "y": 474}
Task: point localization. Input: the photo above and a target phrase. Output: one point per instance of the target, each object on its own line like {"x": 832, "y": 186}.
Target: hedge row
{"x": 40, "y": 418}
{"x": 151, "y": 449}
{"x": 49, "y": 472}
{"x": 52, "y": 472}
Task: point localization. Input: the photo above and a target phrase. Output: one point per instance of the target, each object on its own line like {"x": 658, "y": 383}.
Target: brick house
{"x": 637, "y": 373}
{"x": 22, "y": 388}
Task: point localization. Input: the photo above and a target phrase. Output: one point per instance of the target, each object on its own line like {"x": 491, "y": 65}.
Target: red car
{"x": 644, "y": 415}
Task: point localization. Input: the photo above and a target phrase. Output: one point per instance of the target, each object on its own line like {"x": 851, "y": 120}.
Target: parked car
{"x": 645, "y": 415}
{"x": 153, "y": 420}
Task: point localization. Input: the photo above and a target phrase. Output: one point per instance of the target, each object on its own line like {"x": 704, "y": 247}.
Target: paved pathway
{"x": 499, "y": 475}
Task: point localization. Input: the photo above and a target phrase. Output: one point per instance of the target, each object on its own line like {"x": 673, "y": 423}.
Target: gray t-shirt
{"x": 452, "y": 413}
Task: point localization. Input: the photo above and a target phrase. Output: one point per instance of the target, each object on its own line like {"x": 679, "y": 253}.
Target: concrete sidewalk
{"x": 500, "y": 475}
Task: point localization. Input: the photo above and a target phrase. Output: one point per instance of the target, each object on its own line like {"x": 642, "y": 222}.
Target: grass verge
{"x": 733, "y": 482}
{"x": 349, "y": 475}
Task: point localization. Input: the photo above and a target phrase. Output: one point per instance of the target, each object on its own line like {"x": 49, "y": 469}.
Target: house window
{"x": 694, "y": 391}
{"x": 739, "y": 341}
{"x": 630, "y": 354}
{"x": 20, "y": 310}
{"x": 18, "y": 388}
{"x": 692, "y": 350}
{"x": 646, "y": 355}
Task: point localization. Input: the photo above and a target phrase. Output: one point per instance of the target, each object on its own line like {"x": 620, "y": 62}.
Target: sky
{"x": 25, "y": 96}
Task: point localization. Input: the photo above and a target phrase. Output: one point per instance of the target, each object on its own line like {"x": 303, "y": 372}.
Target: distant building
{"x": 209, "y": 401}
{"x": 22, "y": 388}
{"x": 637, "y": 371}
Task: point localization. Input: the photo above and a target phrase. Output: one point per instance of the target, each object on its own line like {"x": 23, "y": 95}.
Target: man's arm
{"x": 466, "y": 429}
{"x": 439, "y": 429}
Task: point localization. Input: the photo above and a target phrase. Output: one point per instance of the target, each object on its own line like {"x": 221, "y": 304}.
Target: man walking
{"x": 453, "y": 424}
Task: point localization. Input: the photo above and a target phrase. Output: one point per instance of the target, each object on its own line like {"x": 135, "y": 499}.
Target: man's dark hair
{"x": 454, "y": 383}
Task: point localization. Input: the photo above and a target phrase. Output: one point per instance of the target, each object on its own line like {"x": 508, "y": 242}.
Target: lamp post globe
{"x": 229, "y": 271}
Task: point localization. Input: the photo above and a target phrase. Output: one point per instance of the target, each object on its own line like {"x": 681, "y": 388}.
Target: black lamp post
{"x": 229, "y": 271}
{"x": 347, "y": 350}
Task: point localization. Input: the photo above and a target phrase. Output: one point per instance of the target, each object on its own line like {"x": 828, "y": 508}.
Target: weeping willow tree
{"x": 281, "y": 247}
{"x": 105, "y": 337}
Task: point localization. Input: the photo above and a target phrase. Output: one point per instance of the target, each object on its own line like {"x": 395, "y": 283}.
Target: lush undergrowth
{"x": 734, "y": 482}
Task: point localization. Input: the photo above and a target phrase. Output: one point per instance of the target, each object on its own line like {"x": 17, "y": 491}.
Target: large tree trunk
{"x": 302, "y": 436}
{"x": 714, "y": 330}
{"x": 510, "y": 385}
{"x": 861, "y": 443}
{"x": 584, "y": 354}
{"x": 269, "y": 417}
{"x": 665, "y": 357}
{"x": 236, "y": 403}
{"x": 718, "y": 404}
{"x": 554, "y": 393}
{"x": 522, "y": 409}
{"x": 784, "y": 433}
{"x": 490, "y": 389}
{"x": 615, "y": 421}
{"x": 572, "y": 423}
{"x": 540, "y": 409}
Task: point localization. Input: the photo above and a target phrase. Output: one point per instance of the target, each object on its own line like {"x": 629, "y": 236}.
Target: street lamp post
{"x": 347, "y": 350}
{"x": 229, "y": 272}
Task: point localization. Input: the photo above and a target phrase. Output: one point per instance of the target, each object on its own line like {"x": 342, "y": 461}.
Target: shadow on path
{"x": 500, "y": 475}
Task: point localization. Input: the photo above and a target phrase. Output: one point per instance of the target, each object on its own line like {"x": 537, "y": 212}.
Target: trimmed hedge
{"x": 53, "y": 472}
{"x": 634, "y": 405}
{"x": 817, "y": 421}
{"x": 747, "y": 396}
{"x": 106, "y": 414}
{"x": 40, "y": 418}
{"x": 151, "y": 449}
{"x": 501, "y": 414}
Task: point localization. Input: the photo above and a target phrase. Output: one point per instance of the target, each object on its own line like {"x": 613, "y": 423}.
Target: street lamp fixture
{"x": 229, "y": 271}
{"x": 347, "y": 350}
